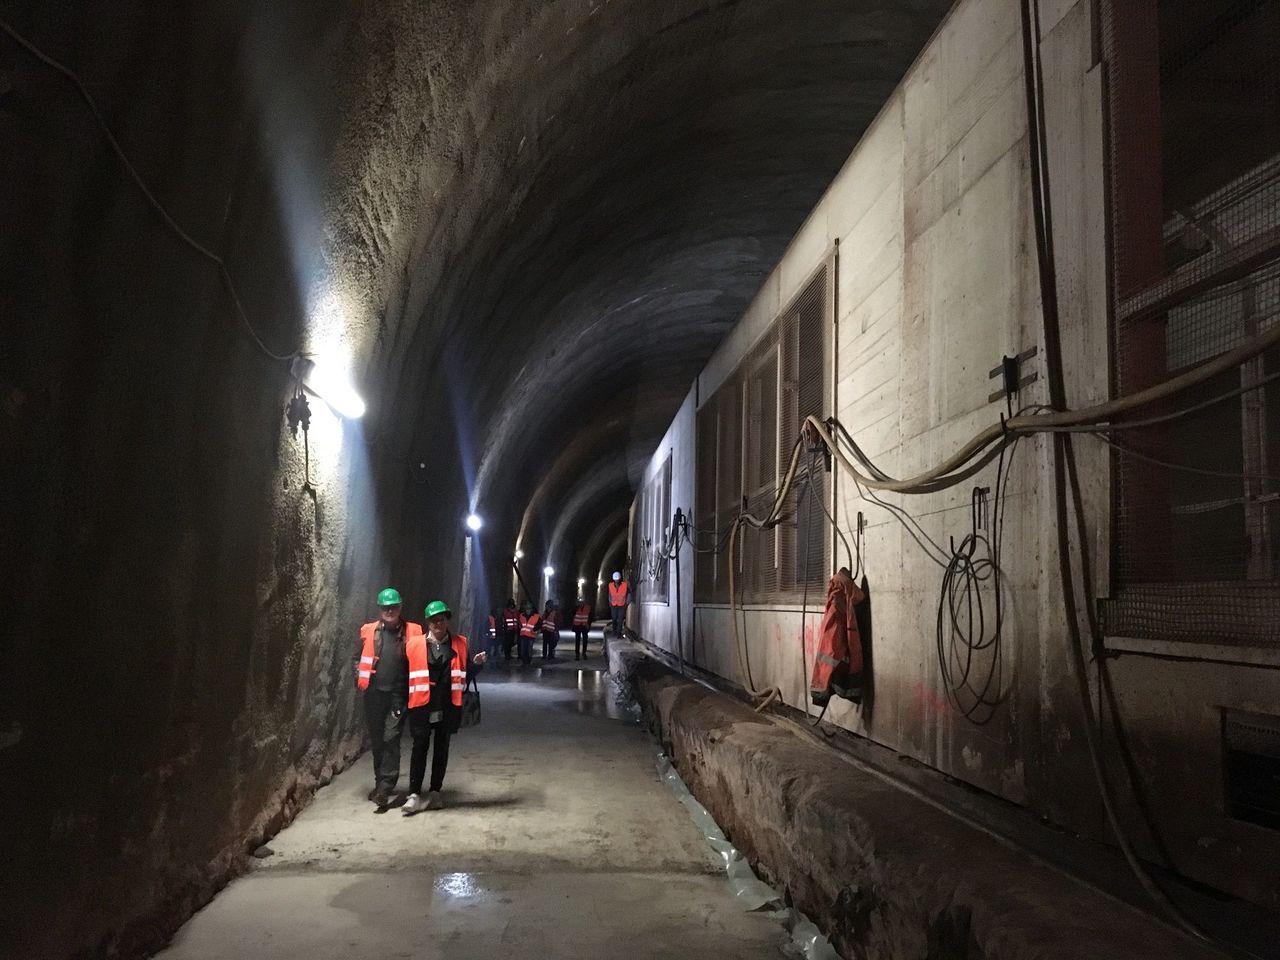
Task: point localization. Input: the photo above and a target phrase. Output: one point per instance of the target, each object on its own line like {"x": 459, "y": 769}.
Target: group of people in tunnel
{"x": 514, "y": 629}
{"x": 409, "y": 674}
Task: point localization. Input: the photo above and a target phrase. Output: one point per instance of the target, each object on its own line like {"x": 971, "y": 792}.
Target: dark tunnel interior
{"x": 523, "y": 226}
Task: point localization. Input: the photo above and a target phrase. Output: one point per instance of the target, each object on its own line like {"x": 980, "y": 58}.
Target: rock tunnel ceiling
{"x": 620, "y": 180}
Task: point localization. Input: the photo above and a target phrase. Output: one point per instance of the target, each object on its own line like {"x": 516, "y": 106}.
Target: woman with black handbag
{"x": 439, "y": 673}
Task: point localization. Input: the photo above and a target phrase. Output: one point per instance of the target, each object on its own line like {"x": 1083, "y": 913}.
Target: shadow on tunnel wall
{"x": 179, "y": 670}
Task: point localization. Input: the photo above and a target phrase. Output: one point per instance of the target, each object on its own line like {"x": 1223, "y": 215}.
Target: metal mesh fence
{"x": 1194, "y": 102}
{"x": 745, "y": 435}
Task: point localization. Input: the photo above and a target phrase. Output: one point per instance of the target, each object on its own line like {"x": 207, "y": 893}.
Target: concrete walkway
{"x": 558, "y": 840}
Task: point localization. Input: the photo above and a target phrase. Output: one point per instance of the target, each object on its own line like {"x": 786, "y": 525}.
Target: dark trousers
{"x": 384, "y": 719}
{"x": 580, "y": 641}
{"x": 619, "y": 615}
{"x": 508, "y": 642}
{"x": 526, "y": 649}
{"x": 422, "y": 733}
{"x": 549, "y": 641}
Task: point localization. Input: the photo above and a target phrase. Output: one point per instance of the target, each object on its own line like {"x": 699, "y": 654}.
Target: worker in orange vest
{"x": 438, "y": 674}
{"x": 510, "y": 628}
{"x": 529, "y": 620}
{"x": 581, "y": 627}
{"x": 619, "y": 597}
{"x": 550, "y": 630}
{"x": 382, "y": 676}
{"x": 493, "y": 634}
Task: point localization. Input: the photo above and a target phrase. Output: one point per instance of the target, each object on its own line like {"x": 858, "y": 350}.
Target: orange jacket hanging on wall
{"x": 837, "y": 666}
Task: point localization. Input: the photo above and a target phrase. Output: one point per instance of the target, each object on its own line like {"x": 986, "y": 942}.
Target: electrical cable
{"x": 155, "y": 204}
{"x": 1164, "y": 418}
{"x": 1185, "y": 468}
{"x": 769, "y": 520}
{"x": 804, "y": 597}
{"x": 1064, "y": 456}
{"x": 931, "y": 548}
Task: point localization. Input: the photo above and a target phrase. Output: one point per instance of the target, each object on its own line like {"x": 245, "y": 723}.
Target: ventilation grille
{"x": 745, "y": 435}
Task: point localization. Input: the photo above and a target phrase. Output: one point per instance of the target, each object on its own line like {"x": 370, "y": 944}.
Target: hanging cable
{"x": 141, "y": 184}
{"x": 1064, "y": 455}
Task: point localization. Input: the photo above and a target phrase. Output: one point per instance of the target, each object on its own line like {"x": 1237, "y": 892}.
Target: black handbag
{"x": 469, "y": 712}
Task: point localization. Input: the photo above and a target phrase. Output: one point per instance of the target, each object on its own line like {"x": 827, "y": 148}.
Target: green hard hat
{"x": 389, "y": 597}
{"x": 437, "y": 607}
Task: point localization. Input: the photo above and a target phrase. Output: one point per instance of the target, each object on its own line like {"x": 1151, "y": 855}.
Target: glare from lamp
{"x": 549, "y": 571}
{"x": 327, "y": 378}
{"x": 519, "y": 554}
{"x": 474, "y": 522}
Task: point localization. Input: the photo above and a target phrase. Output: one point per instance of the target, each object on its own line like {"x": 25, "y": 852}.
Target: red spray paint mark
{"x": 927, "y": 699}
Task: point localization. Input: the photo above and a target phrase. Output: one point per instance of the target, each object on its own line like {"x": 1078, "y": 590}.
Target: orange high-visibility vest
{"x": 511, "y": 620}
{"x": 493, "y": 626}
{"x": 550, "y": 622}
{"x": 368, "y": 659}
{"x": 618, "y": 594}
{"x": 420, "y": 670}
{"x": 529, "y": 625}
{"x": 582, "y": 616}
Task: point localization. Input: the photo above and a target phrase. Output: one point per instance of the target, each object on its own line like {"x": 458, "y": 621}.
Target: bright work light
{"x": 328, "y": 381}
{"x": 474, "y": 523}
{"x": 549, "y": 571}
{"x": 519, "y": 554}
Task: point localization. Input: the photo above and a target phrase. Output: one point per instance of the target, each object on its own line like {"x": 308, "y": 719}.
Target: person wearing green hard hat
{"x": 382, "y": 676}
{"x": 439, "y": 671}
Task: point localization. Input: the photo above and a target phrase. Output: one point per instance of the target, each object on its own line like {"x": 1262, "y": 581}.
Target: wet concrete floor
{"x": 557, "y": 840}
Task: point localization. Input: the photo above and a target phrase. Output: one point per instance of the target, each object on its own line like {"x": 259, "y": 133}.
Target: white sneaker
{"x": 414, "y": 804}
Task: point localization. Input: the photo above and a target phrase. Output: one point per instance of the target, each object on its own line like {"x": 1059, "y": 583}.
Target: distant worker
{"x": 382, "y": 675}
{"x": 528, "y": 630}
{"x": 619, "y": 597}
{"x": 550, "y": 630}
{"x": 510, "y": 628}
{"x": 492, "y": 637}
{"x": 581, "y": 627}
{"x": 438, "y": 673}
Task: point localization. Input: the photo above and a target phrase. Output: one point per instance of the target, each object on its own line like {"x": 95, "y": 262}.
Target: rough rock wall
{"x": 883, "y": 872}
{"x": 177, "y": 611}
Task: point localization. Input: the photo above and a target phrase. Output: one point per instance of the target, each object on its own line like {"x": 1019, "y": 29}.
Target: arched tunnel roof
{"x": 622, "y": 178}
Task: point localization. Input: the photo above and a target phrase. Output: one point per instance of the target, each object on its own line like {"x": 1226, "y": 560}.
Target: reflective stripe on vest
{"x": 420, "y": 671}
{"x": 368, "y": 649}
{"x": 549, "y": 624}
{"x": 618, "y": 594}
{"x": 512, "y": 621}
{"x": 582, "y": 617}
{"x": 529, "y": 626}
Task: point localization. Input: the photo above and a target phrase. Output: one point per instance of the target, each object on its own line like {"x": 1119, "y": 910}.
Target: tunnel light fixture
{"x": 328, "y": 381}
{"x": 549, "y": 571}
{"x": 474, "y": 523}
{"x": 600, "y": 582}
{"x": 519, "y": 554}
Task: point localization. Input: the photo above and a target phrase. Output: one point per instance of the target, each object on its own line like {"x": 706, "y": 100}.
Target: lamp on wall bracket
{"x": 329, "y": 383}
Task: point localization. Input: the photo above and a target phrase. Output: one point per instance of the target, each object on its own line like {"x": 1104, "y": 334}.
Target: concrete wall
{"x": 937, "y": 279}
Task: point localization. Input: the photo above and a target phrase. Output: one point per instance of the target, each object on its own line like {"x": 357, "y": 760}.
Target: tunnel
{"x": 513, "y": 299}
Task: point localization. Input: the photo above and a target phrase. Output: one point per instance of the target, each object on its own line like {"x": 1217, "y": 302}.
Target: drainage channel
{"x": 805, "y": 941}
